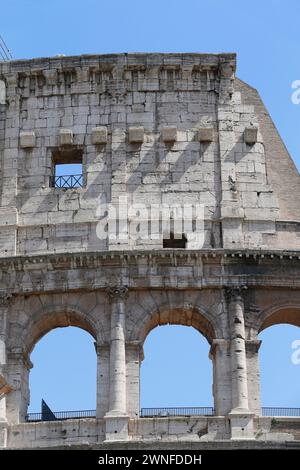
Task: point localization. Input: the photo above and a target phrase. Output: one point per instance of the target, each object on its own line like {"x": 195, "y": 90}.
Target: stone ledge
{"x": 63, "y": 258}
{"x": 95, "y": 439}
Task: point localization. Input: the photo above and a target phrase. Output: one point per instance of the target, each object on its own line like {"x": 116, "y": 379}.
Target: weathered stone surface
{"x": 99, "y": 135}
{"x": 65, "y": 137}
{"x": 169, "y": 134}
{"x": 173, "y": 105}
{"x": 27, "y": 139}
{"x": 250, "y": 135}
{"x": 59, "y": 268}
{"x": 136, "y": 135}
{"x": 2, "y": 92}
{"x": 206, "y": 134}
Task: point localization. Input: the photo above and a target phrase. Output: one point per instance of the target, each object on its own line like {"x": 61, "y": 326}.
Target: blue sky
{"x": 265, "y": 36}
{"x": 176, "y": 370}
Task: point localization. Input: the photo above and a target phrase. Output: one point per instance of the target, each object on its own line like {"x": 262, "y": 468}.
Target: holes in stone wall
{"x": 69, "y": 77}
{"x": 34, "y": 83}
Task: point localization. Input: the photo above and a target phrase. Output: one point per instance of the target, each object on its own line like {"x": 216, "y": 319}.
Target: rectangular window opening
{"x": 67, "y": 169}
{"x": 175, "y": 241}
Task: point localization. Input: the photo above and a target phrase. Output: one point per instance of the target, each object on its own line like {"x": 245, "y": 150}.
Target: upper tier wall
{"x": 159, "y": 129}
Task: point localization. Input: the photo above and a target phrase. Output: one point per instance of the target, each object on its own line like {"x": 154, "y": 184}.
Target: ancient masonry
{"x": 160, "y": 129}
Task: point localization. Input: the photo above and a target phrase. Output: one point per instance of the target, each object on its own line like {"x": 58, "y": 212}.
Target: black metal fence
{"x": 277, "y": 412}
{"x": 165, "y": 412}
{"x": 160, "y": 413}
{"x": 67, "y": 181}
{"x": 209, "y": 411}
{"x": 60, "y": 415}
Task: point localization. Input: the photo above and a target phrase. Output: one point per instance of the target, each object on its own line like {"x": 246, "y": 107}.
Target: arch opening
{"x": 176, "y": 374}
{"x": 63, "y": 374}
{"x": 279, "y": 362}
{"x": 73, "y": 331}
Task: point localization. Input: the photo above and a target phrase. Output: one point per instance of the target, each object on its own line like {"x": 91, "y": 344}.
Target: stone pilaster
{"x": 103, "y": 358}
{"x": 237, "y": 349}
{"x": 240, "y": 416}
{"x": 12, "y": 130}
{"x": 134, "y": 357}
{"x": 4, "y": 306}
{"x": 116, "y": 417}
{"x": 220, "y": 356}
{"x": 18, "y": 368}
{"x": 231, "y": 212}
{"x": 252, "y": 354}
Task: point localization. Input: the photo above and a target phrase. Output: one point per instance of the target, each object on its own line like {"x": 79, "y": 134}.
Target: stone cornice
{"x": 212, "y": 269}
{"x": 89, "y": 259}
{"x": 123, "y": 59}
{"x": 115, "y": 73}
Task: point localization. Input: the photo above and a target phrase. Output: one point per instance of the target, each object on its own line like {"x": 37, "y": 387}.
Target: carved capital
{"x": 19, "y": 357}
{"x": 252, "y": 346}
{"x": 235, "y": 293}
{"x": 5, "y": 299}
{"x": 102, "y": 348}
{"x": 222, "y": 345}
{"x": 116, "y": 293}
{"x": 137, "y": 346}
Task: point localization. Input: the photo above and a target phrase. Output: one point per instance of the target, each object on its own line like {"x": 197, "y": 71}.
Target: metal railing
{"x": 60, "y": 415}
{"x": 182, "y": 411}
{"x": 159, "y": 413}
{"x": 209, "y": 411}
{"x": 277, "y": 411}
{"x": 67, "y": 181}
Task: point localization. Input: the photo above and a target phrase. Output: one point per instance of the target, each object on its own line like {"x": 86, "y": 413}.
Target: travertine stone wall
{"x": 156, "y": 128}
{"x": 228, "y": 296}
{"x": 152, "y": 129}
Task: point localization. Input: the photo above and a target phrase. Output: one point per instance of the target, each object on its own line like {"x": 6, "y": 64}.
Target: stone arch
{"x": 186, "y": 315}
{"x": 47, "y": 320}
{"x": 284, "y": 313}
{"x": 287, "y": 312}
{"x": 37, "y": 325}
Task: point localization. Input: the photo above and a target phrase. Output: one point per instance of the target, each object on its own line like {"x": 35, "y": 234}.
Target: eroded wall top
{"x": 154, "y": 130}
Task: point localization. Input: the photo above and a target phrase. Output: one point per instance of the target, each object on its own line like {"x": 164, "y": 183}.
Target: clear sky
{"x": 265, "y": 35}
{"x": 176, "y": 370}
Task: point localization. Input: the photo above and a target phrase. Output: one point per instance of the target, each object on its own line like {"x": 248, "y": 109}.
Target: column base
{"x": 116, "y": 426}
{"x": 241, "y": 424}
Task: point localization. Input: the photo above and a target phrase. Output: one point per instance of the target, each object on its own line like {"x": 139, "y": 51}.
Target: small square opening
{"x": 175, "y": 241}
{"x": 67, "y": 169}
